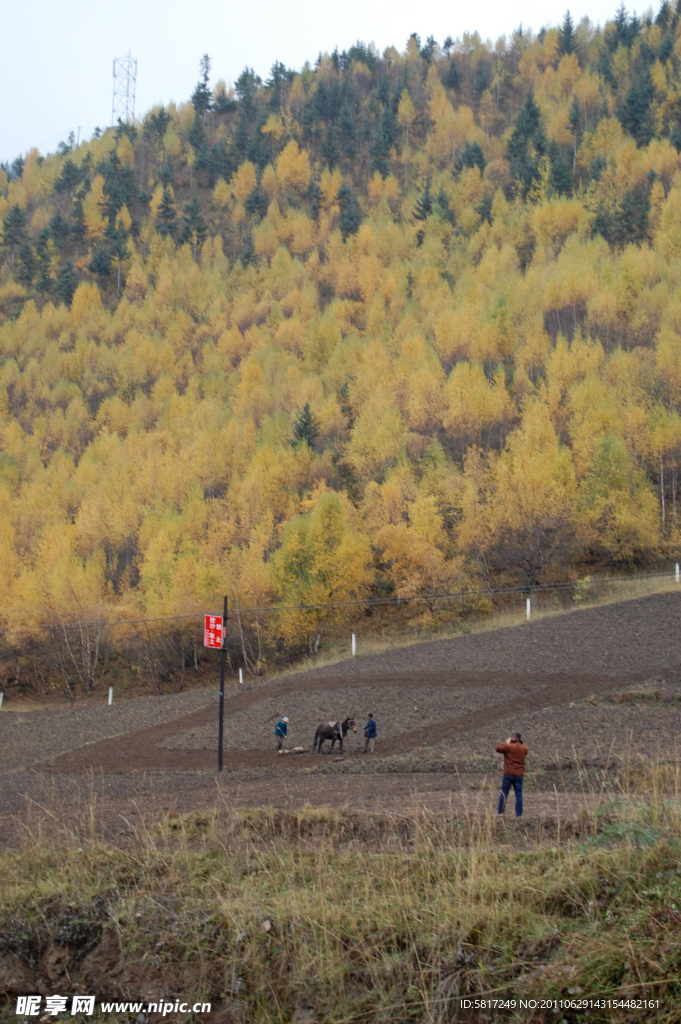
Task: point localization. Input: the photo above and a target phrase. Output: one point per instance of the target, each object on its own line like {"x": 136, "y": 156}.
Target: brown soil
{"x": 147, "y": 749}
{"x": 441, "y": 708}
{"x": 404, "y": 708}
{"x": 636, "y": 638}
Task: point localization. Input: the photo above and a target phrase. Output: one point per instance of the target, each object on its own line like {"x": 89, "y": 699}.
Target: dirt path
{"x": 124, "y": 806}
{"x": 31, "y": 737}
{"x": 142, "y": 751}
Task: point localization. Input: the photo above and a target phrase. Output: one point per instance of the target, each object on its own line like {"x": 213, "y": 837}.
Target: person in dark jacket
{"x": 370, "y": 732}
{"x": 281, "y": 732}
{"x": 515, "y": 752}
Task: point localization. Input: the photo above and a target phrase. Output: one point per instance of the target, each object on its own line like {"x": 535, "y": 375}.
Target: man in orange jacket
{"x": 515, "y": 752}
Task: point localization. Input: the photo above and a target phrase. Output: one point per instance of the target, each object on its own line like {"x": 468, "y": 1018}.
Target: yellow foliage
{"x": 556, "y": 219}
{"x": 323, "y": 558}
{"x": 40, "y": 219}
{"x": 376, "y": 188}
{"x": 293, "y": 167}
{"x": 123, "y": 219}
{"x": 265, "y": 239}
{"x": 377, "y": 437}
{"x": 126, "y": 153}
{"x": 329, "y": 183}
{"x": 274, "y": 127}
{"x": 473, "y": 403}
{"x": 406, "y": 111}
{"x": 86, "y": 301}
{"x": 244, "y": 181}
{"x": 172, "y": 143}
{"x": 269, "y": 182}
{"x": 92, "y": 207}
{"x": 157, "y": 198}
{"x": 492, "y": 392}
{"x": 221, "y": 193}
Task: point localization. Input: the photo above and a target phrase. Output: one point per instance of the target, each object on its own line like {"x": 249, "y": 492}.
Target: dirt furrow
{"x": 141, "y": 750}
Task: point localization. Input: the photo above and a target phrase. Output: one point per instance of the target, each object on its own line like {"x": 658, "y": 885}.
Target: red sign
{"x": 212, "y": 631}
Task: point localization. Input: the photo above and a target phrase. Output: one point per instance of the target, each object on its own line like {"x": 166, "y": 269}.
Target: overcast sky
{"x": 56, "y": 58}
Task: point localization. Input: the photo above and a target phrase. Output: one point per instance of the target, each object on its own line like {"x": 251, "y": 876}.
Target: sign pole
{"x": 223, "y": 658}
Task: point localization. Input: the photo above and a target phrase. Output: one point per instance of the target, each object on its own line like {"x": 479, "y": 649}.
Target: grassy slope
{"x": 314, "y": 917}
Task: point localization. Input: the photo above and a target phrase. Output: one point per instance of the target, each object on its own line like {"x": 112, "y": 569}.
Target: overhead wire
{"x": 374, "y": 602}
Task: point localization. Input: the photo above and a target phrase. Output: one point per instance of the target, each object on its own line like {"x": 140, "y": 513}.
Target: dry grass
{"x": 327, "y": 917}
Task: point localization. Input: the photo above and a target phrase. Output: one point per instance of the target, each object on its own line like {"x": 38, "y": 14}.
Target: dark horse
{"x": 332, "y": 731}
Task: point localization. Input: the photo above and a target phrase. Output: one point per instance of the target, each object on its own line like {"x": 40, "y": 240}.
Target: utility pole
{"x": 223, "y": 659}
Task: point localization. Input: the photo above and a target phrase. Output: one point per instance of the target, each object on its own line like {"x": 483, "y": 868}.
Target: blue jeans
{"x": 517, "y": 782}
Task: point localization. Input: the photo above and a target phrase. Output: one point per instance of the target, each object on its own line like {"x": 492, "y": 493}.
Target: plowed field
{"x": 589, "y": 690}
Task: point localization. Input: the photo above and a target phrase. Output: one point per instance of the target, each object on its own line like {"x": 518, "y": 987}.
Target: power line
{"x": 374, "y": 602}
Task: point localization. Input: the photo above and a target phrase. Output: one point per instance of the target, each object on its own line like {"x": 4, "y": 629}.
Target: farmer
{"x": 281, "y": 731}
{"x": 370, "y": 733}
{"x": 515, "y": 752}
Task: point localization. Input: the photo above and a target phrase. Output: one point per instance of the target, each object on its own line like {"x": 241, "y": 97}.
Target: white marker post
{"x": 354, "y": 645}
{"x": 241, "y": 677}
{"x": 111, "y": 695}
{"x": 2, "y": 697}
{"x": 528, "y": 609}
{"x": 677, "y": 572}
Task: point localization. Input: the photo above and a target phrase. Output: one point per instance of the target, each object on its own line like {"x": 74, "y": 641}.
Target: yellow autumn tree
{"x": 323, "y": 560}
{"x": 524, "y": 526}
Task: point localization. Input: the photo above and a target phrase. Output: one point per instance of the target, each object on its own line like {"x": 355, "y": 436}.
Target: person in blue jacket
{"x": 281, "y": 732}
{"x": 370, "y": 731}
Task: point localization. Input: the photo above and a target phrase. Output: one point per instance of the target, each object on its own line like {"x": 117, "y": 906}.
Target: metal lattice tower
{"x": 124, "y": 80}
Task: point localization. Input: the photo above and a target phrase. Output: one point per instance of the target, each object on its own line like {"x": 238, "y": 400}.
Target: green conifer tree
{"x": 59, "y": 230}
{"x": 78, "y": 228}
{"x": 383, "y": 140}
{"x": 26, "y": 265}
{"x": 166, "y": 215}
{"x": 567, "y": 37}
{"x": 248, "y": 250}
{"x": 423, "y": 209}
{"x": 201, "y": 97}
{"x": 576, "y": 129}
{"x": 67, "y": 282}
{"x": 560, "y": 177}
{"x": 315, "y": 196}
{"x": 118, "y": 252}
{"x": 305, "y": 428}
{"x": 637, "y": 115}
{"x": 424, "y": 204}
{"x": 118, "y": 186}
{"x": 347, "y": 127}
{"x": 526, "y": 146}
{"x": 194, "y": 228}
{"x": 100, "y": 262}
{"x": 471, "y": 156}
{"x": 44, "y": 280}
{"x": 165, "y": 172}
{"x": 350, "y": 211}
{"x": 156, "y": 124}
{"x": 450, "y": 74}
{"x": 256, "y": 202}
{"x": 13, "y": 229}
{"x": 69, "y": 178}
{"x": 329, "y": 148}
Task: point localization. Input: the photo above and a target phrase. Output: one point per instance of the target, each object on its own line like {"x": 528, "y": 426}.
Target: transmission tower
{"x": 124, "y": 79}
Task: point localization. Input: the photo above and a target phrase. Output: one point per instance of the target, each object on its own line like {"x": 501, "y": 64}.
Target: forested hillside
{"x": 394, "y": 324}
